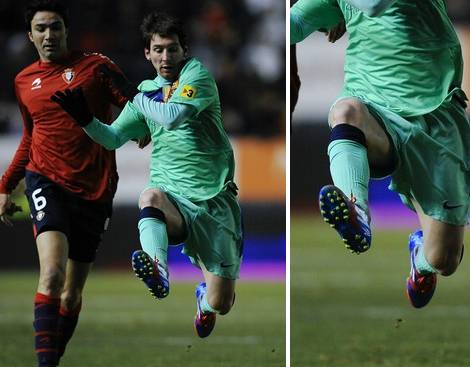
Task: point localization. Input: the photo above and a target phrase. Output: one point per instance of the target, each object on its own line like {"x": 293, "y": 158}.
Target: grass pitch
{"x": 122, "y": 325}
{"x": 351, "y": 310}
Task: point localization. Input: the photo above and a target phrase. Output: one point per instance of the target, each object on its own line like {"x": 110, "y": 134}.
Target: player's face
{"x": 166, "y": 55}
{"x": 49, "y": 35}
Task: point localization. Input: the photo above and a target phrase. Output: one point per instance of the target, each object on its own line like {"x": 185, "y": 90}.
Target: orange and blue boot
{"x": 419, "y": 287}
{"x": 204, "y": 322}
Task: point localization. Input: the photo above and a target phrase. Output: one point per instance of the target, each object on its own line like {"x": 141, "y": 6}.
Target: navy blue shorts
{"x": 54, "y": 209}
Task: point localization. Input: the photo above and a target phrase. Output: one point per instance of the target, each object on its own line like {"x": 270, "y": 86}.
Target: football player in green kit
{"x": 401, "y": 113}
{"x": 191, "y": 196}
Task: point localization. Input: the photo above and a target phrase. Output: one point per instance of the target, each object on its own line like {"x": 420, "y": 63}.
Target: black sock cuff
{"x": 348, "y": 132}
{"x": 151, "y": 212}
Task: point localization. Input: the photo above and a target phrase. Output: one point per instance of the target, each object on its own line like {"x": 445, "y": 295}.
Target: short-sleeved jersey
{"x": 407, "y": 60}
{"x": 194, "y": 160}
{"x": 53, "y": 145}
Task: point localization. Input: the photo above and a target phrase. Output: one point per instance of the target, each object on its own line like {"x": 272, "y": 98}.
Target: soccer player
{"x": 70, "y": 180}
{"x": 191, "y": 196}
{"x": 401, "y": 113}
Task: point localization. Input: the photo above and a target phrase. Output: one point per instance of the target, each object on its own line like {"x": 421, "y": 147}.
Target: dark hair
{"x": 164, "y": 25}
{"x": 57, "y": 6}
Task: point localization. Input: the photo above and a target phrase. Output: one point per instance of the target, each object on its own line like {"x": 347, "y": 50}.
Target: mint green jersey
{"x": 407, "y": 59}
{"x": 194, "y": 160}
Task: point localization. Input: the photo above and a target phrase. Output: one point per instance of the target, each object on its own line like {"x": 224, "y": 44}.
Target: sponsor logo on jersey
{"x": 36, "y": 84}
{"x": 188, "y": 91}
{"x": 68, "y": 75}
{"x": 40, "y": 215}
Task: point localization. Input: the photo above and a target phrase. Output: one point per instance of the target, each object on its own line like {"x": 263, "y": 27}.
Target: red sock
{"x": 67, "y": 322}
{"x": 46, "y": 316}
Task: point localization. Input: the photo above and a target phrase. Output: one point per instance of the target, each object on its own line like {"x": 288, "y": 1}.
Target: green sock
{"x": 154, "y": 238}
{"x": 205, "y": 306}
{"x": 350, "y": 169}
{"x": 421, "y": 264}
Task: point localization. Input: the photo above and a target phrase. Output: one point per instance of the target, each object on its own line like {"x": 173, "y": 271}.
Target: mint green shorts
{"x": 214, "y": 229}
{"x": 433, "y": 158}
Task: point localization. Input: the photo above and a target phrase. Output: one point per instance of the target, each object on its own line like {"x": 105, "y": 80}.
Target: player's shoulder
{"x": 93, "y": 58}
{"x": 27, "y": 71}
{"x": 195, "y": 69}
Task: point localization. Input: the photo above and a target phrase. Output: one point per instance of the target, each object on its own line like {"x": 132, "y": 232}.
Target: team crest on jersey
{"x": 169, "y": 90}
{"x": 40, "y": 215}
{"x": 36, "y": 84}
{"x": 68, "y": 75}
{"x": 188, "y": 91}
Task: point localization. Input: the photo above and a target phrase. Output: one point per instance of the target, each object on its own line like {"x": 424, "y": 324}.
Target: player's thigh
{"x": 48, "y": 205}
{"x": 156, "y": 198}
{"x": 52, "y": 249}
{"x": 216, "y": 237}
{"x": 354, "y": 112}
{"x": 90, "y": 221}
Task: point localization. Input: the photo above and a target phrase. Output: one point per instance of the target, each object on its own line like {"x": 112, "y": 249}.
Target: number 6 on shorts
{"x": 39, "y": 201}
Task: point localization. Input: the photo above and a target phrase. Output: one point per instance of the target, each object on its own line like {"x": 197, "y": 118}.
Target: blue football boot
{"x": 350, "y": 221}
{"x": 419, "y": 288}
{"x": 152, "y": 273}
{"x": 204, "y": 322}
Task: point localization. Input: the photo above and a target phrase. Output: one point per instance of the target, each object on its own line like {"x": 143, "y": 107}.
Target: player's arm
{"x": 130, "y": 124}
{"x": 308, "y": 16}
{"x": 169, "y": 115}
{"x": 372, "y": 8}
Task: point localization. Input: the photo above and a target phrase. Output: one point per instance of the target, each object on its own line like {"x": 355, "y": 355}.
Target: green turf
{"x": 122, "y": 325}
{"x": 350, "y": 310}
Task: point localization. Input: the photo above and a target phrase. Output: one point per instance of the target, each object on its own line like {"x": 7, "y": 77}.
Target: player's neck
{"x": 59, "y": 60}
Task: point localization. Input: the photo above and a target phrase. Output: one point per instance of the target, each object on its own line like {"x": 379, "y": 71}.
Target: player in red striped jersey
{"x": 70, "y": 180}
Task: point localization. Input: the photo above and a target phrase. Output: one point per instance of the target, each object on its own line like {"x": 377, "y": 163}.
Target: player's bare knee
{"x": 445, "y": 264}
{"x": 221, "y": 303}
{"x": 349, "y": 111}
{"x": 70, "y": 299}
{"x": 51, "y": 280}
{"x": 153, "y": 197}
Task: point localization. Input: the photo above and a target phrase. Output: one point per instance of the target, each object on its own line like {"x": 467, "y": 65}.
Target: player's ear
{"x": 147, "y": 53}
{"x": 30, "y": 36}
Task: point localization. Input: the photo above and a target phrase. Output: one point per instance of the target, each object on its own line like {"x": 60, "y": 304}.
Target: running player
{"x": 191, "y": 196}
{"x": 70, "y": 180}
{"x": 401, "y": 112}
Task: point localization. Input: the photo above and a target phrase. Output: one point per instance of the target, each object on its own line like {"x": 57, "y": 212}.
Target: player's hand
{"x": 7, "y": 209}
{"x": 337, "y": 32}
{"x": 118, "y": 81}
{"x": 74, "y": 103}
{"x": 143, "y": 142}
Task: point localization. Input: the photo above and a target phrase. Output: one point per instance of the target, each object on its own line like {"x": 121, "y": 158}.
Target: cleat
{"x": 152, "y": 273}
{"x": 203, "y": 322}
{"x": 352, "y": 222}
{"x": 419, "y": 287}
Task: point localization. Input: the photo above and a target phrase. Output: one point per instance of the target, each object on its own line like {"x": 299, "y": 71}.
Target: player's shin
{"x": 46, "y": 316}
{"x": 349, "y": 166}
{"x": 153, "y": 233}
{"x": 68, "y": 320}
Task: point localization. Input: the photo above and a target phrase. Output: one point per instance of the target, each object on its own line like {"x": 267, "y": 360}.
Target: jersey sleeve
{"x": 115, "y": 96}
{"x": 197, "y": 89}
{"x": 308, "y": 16}
{"x": 169, "y": 115}
{"x": 16, "y": 170}
{"x": 130, "y": 124}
